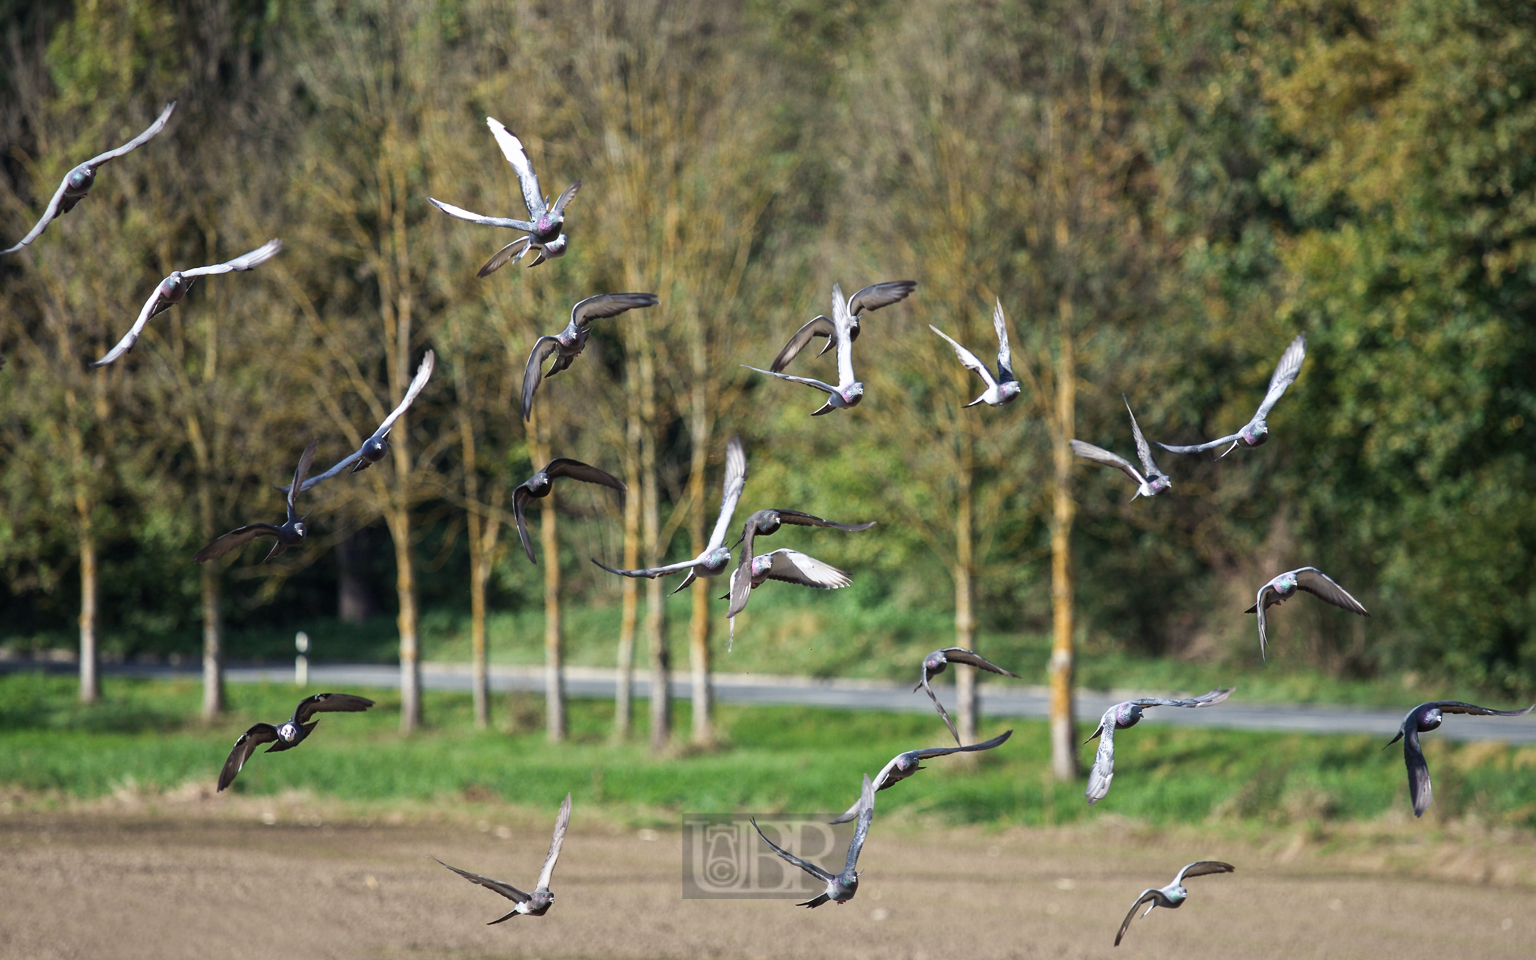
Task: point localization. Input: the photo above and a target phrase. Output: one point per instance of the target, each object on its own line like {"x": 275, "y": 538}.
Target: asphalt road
{"x": 998, "y": 699}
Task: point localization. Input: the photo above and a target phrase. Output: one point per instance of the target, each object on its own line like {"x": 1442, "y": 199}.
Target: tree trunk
{"x": 213, "y": 644}
{"x": 655, "y": 599}
{"x": 965, "y": 621}
{"x": 479, "y": 684}
{"x": 698, "y": 623}
{"x": 623, "y": 711}
{"x": 405, "y": 589}
{"x": 554, "y": 670}
{"x": 354, "y": 601}
{"x": 90, "y": 684}
{"x": 1063, "y": 737}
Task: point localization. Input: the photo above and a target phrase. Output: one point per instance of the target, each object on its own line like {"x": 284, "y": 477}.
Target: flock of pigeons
{"x": 543, "y": 233}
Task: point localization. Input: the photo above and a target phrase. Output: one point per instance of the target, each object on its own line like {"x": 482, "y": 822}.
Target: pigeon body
{"x": 290, "y": 533}
{"x": 904, "y": 765}
{"x": 173, "y": 289}
{"x": 1173, "y": 895}
{"x": 1284, "y": 587}
{"x": 538, "y": 486}
{"x": 716, "y": 557}
{"x": 1150, "y": 481}
{"x": 840, "y": 887}
{"x": 568, "y": 344}
{"x": 537, "y": 903}
{"x": 545, "y": 220}
{"x": 848, "y": 392}
{"x": 1003, "y": 388}
{"x": 872, "y": 297}
{"x": 78, "y": 182}
{"x": 1256, "y": 431}
{"x": 1128, "y": 714}
{"x": 1422, "y": 719}
{"x": 287, "y": 735}
{"x": 937, "y": 661}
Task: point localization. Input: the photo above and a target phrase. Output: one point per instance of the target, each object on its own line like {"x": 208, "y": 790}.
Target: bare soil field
{"x": 161, "y": 884}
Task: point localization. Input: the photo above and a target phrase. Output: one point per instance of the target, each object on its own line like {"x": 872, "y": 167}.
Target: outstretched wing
{"x": 1317, "y": 583}
{"x": 562, "y": 821}
{"x": 1199, "y": 447}
{"x": 799, "y": 519}
{"x": 808, "y": 381}
{"x": 1143, "y": 451}
{"x": 576, "y": 470}
{"x": 1201, "y": 868}
{"x": 866, "y": 814}
{"x": 520, "y": 498}
{"x": 505, "y": 889}
{"x": 238, "y": 537}
{"x": 1103, "y": 772}
{"x": 807, "y": 866}
{"x": 1004, "y": 354}
{"x": 1125, "y": 925}
{"x": 1204, "y": 700}
{"x": 49, "y": 215}
{"x": 1284, "y": 375}
{"x": 792, "y": 566}
{"x": 512, "y": 149}
{"x": 510, "y": 253}
{"x": 246, "y": 745}
{"x": 565, "y": 198}
{"x": 299, "y": 472}
{"x": 821, "y": 326}
{"x": 946, "y": 751}
{"x": 329, "y": 703}
{"x": 1099, "y": 455}
{"x": 245, "y": 261}
{"x": 1456, "y": 706}
{"x": 149, "y": 134}
{"x": 939, "y": 707}
{"x": 423, "y": 374}
{"x": 878, "y": 295}
{"x": 967, "y": 358}
{"x": 152, "y": 306}
{"x": 609, "y": 305}
{"x": 962, "y": 655}
{"x": 480, "y": 218}
{"x": 534, "y": 372}
{"x": 650, "y": 573}
{"x": 842, "y": 336}
{"x": 735, "y": 481}
{"x": 1418, "y": 771}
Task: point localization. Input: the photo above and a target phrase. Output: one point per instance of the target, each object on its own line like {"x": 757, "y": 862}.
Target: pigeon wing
{"x": 1201, "y": 868}
{"x": 1099, "y": 455}
{"x": 149, "y": 134}
{"x": 651, "y": 573}
{"x": 512, "y": 149}
{"x": 1418, "y": 771}
{"x": 1103, "y": 772}
{"x": 967, "y": 359}
{"x": 808, "y": 867}
{"x": 940, "y": 707}
{"x": 480, "y": 218}
{"x": 962, "y": 655}
{"x": 423, "y": 374}
{"x": 246, "y": 745}
{"x": 1456, "y": 706}
{"x": 1317, "y": 583}
{"x": 238, "y": 537}
{"x": 562, "y": 821}
{"x": 152, "y": 306}
{"x": 1125, "y": 925}
{"x": 520, "y": 498}
{"x": 878, "y": 295}
{"x": 49, "y": 215}
{"x": 799, "y": 519}
{"x": 866, "y": 814}
{"x": 505, "y": 889}
{"x": 510, "y": 253}
{"x": 329, "y": 703}
{"x": 1004, "y": 354}
{"x": 1284, "y": 375}
{"x": 1204, "y": 700}
{"x": 299, "y": 473}
{"x": 932, "y": 752}
{"x": 565, "y": 198}
{"x": 808, "y": 381}
{"x": 576, "y": 470}
{"x": 792, "y": 566}
{"x": 735, "y": 481}
{"x": 534, "y": 372}
{"x": 1143, "y": 451}
{"x": 609, "y": 305}
{"x": 741, "y": 589}
{"x": 821, "y": 326}
{"x": 1199, "y": 447}
{"x": 245, "y": 261}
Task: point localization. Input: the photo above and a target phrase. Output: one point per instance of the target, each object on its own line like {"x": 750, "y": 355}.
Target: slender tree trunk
{"x": 406, "y": 622}
{"x": 655, "y": 599}
{"x": 698, "y": 624}
{"x": 554, "y": 668}
{"x": 965, "y": 620}
{"x": 90, "y": 684}
{"x": 479, "y": 684}
{"x": 213, "y": 644}
{"x": 1063, "y": 738}
{"x": 623, "y": 710}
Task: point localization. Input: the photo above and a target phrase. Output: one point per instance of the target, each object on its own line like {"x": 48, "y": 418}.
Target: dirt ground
{"x": 163, "y": 885}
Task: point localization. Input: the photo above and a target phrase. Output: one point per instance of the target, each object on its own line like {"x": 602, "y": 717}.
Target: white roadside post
{"x": 301, "y": 662}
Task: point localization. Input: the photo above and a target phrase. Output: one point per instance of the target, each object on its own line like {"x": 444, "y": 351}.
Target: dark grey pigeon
{"x": 290, "y": 533}
{"x": 288, "y": 735}
{"x": 538, "y": 486}
{"x": 716, "y": 556}
{"x": 1256, "y": 431}
{"x": 872, "y": 297}
{"x": 1422, "y": 719}
{"x": 568, "y": 344}
{"x": 1150, "y": 481}
{"x": 1173, "y": 895}
{"x": 1003, "y": 388}
{"x": 848, "y": 391}
{"x": 1284, "y": 587}
{"x": 765, "y": 523}
{"x": 786, "y": 566}
{"x": 903, "y": 765}
{"x": 935, "y": 663}
{"x": 537, "y": 903}
{"x": 545, "y": 220}
{"x": 173, "y": 289}
{"x": 1128, "y": 714}
{"x": 843, "y": 886}
{"x": 374, "y": 448}
{"x": 78, "y": 182}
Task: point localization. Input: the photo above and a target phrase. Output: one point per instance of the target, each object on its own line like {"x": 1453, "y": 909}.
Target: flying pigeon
{"x": 1173, "y": 895}
{"x": 78, "y": 182}
{"x": 374, "y": 448}
{"x": 789, "y": 566}
{"x": 765, "y": 523}
{"x": 842, "y": 887}
{"x": 1284, "y": 587}
{"x": 1422, "y": 719}
{"x": 716, "y": 556}
{"x": 872, "y": 297}
{"x": 289, "y": 534}
{"x": 1150, "y": 481}
{"x": 290, "y": 734}
{"x": 538, "y": 486}
{"x": 568, "y": 343}
{"x": 1128, "y": 714}
{"x": 848, "y": 391}
{"x": 1256, "y": 431}
{"x": 934, "y": 664}
{"x": 173, "y": 289}
{"x": 543, "y": 228}
{"x": 903, "y": 765}
{"x": 537, "y": 903}
{"x": 1002, "y": 389}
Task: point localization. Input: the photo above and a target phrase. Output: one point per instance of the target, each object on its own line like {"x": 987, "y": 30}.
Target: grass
{"x": 144, "y": 734}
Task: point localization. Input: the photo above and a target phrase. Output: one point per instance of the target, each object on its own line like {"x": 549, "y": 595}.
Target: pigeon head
{"x": 175, "y": 286}
{"x": 1178, "y": 894}
{"x": 299, "y": 529}
{"x": 716, "y": 560}
{"x": 1285, "y": 584}
{"x": 374, "y": 448}
{"x": 1007, "y": 391}
{"x": 80, "y": 179}
{"x": 555, "y": 247}
{"x": 935, "y": 663}
{"x": 769, "y": 524}
{"x": 1160, "y": 484}
{"x": 761, "y": 565}
{"x": 1255, "y": 433}
{"x": 1430, "y": 720}
{"x": 288, "y": 731}
{"x": 852, "y": 394}
{"x": 539, "y": 484}
{"x": 847, "y": 885}
{"x": 1127, "y": 715}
